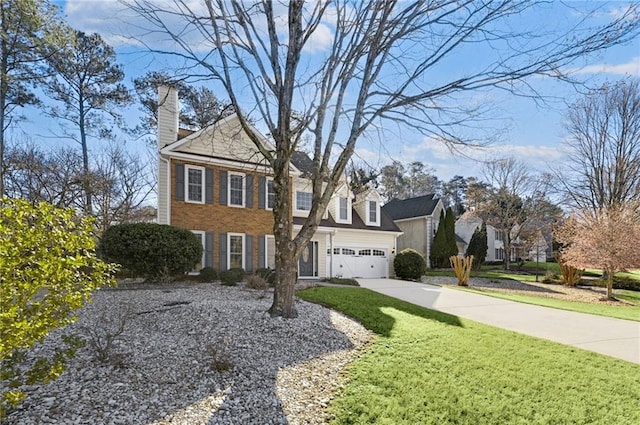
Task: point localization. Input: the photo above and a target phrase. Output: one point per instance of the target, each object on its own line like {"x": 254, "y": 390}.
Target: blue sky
{"x": 528, "y": 130}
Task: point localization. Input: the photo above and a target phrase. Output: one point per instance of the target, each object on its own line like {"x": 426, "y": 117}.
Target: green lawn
{"x": 427, "y": 367}
{"x": 619, "y": 312}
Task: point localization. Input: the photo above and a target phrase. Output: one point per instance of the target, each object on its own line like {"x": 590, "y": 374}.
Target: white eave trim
{"x": 413, "y": 218}
{"x": 221, "y": 162}
{"x": 334, "y": 230}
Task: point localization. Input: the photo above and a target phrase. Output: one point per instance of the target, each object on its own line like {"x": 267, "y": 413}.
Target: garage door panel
{"x": 360, "y": 262}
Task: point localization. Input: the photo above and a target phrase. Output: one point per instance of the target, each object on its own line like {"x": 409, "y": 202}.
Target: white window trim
{"x": 299, "y": 210}
{"x": 368, "y": 215}
{"x": 244, "y": 189}
{"x": 229, "y": 248}
{"x": 204, "y": 243}
{"x": 188, "y": 167}
{"x": 266, "y": 249}
{"x": 266, "y": 194}
{"x": 349, "y": 208}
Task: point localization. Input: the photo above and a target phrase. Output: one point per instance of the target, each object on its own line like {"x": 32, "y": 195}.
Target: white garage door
{"x": 360, "y": 262}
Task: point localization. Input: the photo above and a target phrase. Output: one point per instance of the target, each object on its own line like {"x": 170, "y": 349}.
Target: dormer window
{"x": 373, "y": 213}
{"x": 343, "y": 209}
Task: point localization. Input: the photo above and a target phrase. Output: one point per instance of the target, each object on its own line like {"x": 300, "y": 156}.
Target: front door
{"x": 307, "y": 264}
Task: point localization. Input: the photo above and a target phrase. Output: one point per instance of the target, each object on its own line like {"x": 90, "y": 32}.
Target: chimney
{"x": 167, "y": 115}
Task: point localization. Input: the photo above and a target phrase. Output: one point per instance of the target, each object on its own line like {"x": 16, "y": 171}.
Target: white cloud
{"x": 629, "y": 68}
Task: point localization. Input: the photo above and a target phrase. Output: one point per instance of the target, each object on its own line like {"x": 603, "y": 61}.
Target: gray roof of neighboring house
{"x": 302, "y": 162}
{"x": 386, "y": 224}
{"x": 413, "y": 207}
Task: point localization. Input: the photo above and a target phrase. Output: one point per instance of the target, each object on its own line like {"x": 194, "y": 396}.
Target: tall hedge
{"x": 151, "y": 250}
{"x": 478, "y": 246}
{"x": 450, "y": 232}
{"x": 439, "y": 248}
{"x": 48, "y": 269}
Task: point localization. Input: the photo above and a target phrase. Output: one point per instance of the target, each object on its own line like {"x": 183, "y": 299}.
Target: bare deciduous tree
{"x": 606, "y": 239}
{"x": 122, "y": 183}
{"x": 603, "y": 166}
{"x": 504, "y": 207}
{"x": 34, "y": 174}
{"x": 376, "y": 65}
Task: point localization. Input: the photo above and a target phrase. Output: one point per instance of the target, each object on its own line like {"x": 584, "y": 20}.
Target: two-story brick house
{"x": 215, "y": 183}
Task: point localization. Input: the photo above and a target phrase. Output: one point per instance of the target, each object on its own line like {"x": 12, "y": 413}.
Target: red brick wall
{"x": 218, "y": 218}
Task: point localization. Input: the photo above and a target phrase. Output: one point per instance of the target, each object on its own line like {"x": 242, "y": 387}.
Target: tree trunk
{"x": 87, "y": 183}
{"x": 609, "y": 284}
{"x": 286, "y": 277}
{"x": 506, "y": 243}
{"x": 286, "y": 252}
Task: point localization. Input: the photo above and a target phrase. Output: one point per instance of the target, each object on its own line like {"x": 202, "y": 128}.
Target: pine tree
{"x": 450, "y": 232}
{"x": 439, "y": 248}
{"x": 478, "y": 246}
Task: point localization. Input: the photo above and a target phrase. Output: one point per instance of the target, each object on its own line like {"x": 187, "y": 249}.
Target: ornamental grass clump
{"x": 462, "y": 268}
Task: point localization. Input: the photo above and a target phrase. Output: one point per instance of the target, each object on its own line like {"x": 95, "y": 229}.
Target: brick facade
{"x": 221, "y": 219}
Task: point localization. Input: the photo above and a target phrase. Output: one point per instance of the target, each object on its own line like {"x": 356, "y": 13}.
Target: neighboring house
{"x": 215, "y": 183}
{"x": 418, "y": 219}
{"x": 537, "y": 248}
{"x": 466, "y": 225}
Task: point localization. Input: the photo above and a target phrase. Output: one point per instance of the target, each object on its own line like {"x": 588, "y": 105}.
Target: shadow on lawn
{"x": 502, "y": 283}
{"x": 366, "y": 306}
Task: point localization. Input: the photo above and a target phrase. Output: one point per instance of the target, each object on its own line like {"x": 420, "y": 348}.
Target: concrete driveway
{"x": 613, "y": 337}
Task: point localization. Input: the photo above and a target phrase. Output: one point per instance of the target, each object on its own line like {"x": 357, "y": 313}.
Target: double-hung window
{"x": 343, "y": 209}
{"x": 236, "y": 190}
{"x": 194, "y": 184}
{"x": 373, "y": 212}
{"x": 304, "y": 201}
{"x": 236, "y": 250}
{"x": 271, "y": 194}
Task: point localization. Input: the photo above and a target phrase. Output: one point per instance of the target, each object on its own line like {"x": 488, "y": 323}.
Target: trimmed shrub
{"x": 341, "y": 281}
{"x": 48, "y": 270}
{"x": 208, "y": 274}
{"x": 232, "y": 276}
{"x": 269, "y": 275}
{"x": 255, "y": 282}
{"x": 409, "y": 264}
{"x": 151, "y": 250}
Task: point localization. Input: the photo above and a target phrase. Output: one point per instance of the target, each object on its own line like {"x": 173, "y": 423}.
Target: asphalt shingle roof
{"x": 413, "y": 207}
{"x": 386, "y": 223}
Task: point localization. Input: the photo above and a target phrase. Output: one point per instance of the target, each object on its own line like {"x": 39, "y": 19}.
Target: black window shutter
{"x": 262, "y": 192}
{"x": 223, "y": 252}
{"x": 208, "y": 249}
{"x": 208, "y": 193}
{"x": 249, "y": 191}
{"x": 261, "y": 251}
{"x": 248, "y": 260}
{"x": 179, "y": 182}
{"x": 223, "y": 188}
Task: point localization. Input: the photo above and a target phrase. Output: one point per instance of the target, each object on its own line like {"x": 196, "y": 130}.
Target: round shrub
{"x": 208, "y": 274}
{"x": 151, "y": 250}
{"x": 409, "y": 264}
{"x": 232, "y": 276}
{"x": 269, "y": 275}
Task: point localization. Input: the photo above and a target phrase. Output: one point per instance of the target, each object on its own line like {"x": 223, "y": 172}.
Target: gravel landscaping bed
{"x": 590, "y": 294}
{"x": 197, "y": 354}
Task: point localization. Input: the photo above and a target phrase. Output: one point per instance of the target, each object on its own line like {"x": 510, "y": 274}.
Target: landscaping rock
{"x": 198, "y": 354}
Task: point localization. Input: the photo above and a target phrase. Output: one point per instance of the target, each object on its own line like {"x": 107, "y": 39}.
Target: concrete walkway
{"x": 613, "y": 337}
